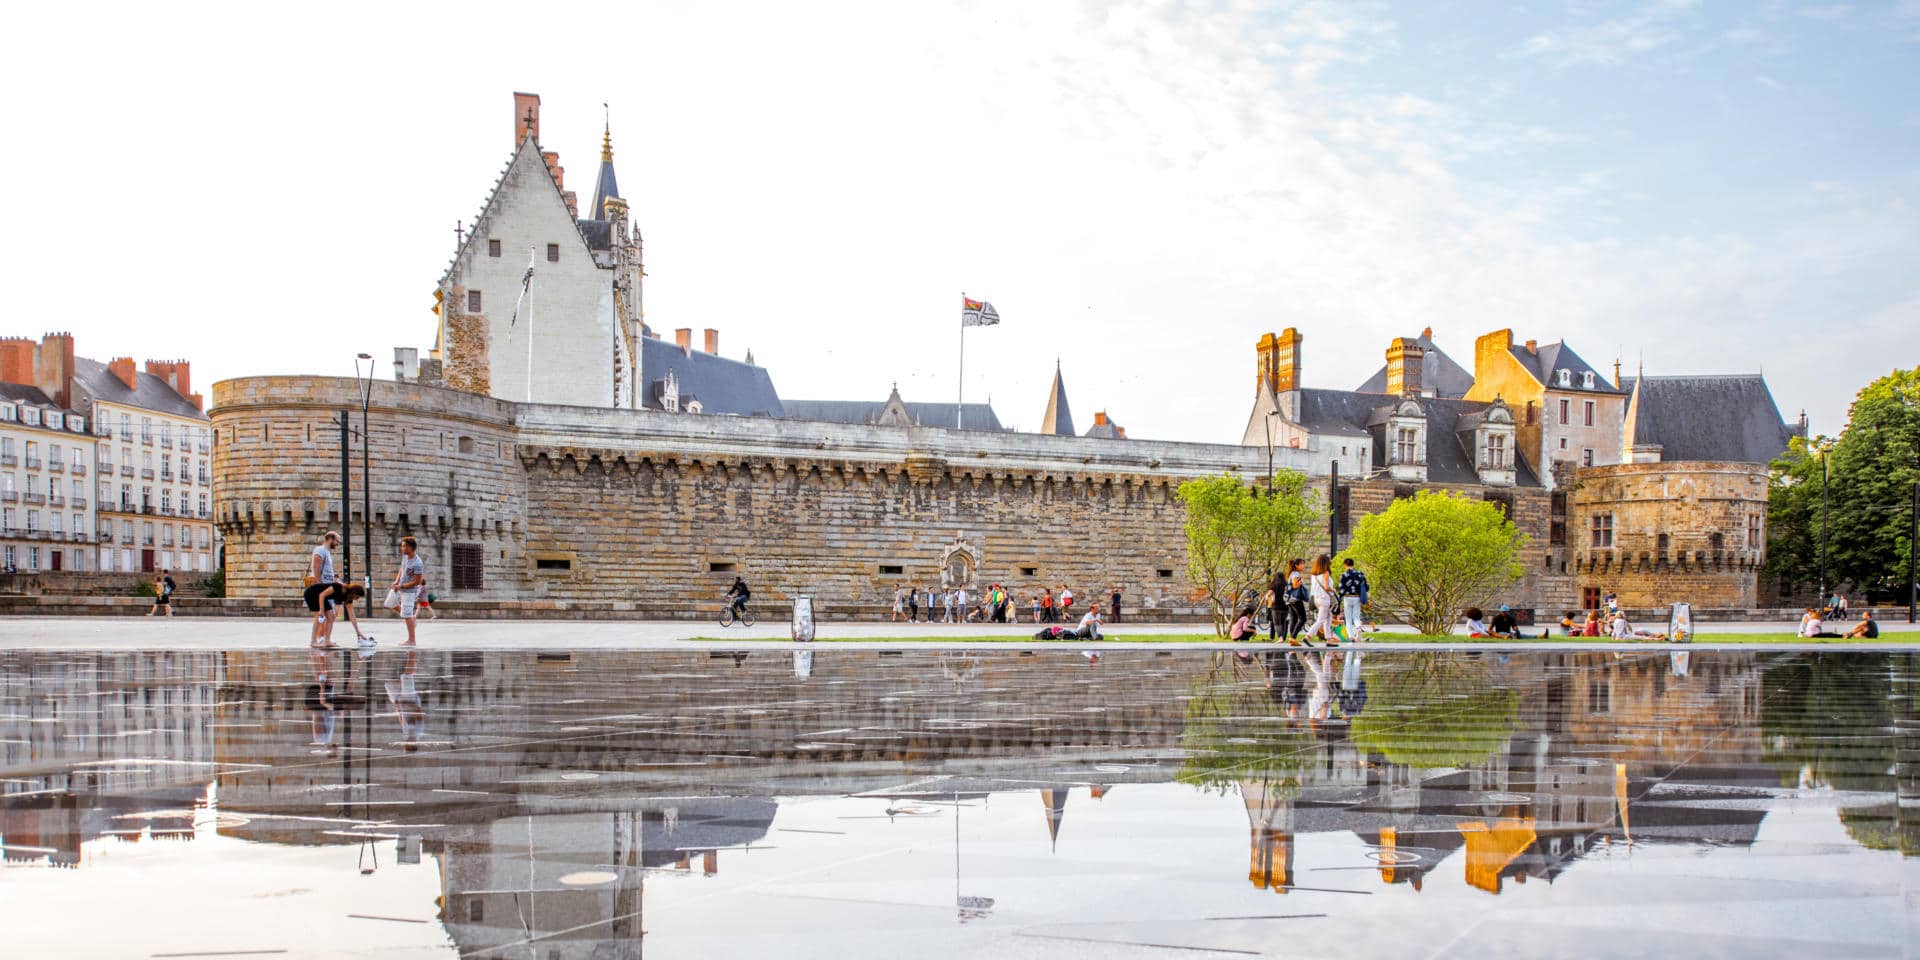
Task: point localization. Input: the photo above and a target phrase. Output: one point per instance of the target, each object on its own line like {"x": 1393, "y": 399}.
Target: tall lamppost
{"x": 366, "y": 492}
{"x": 1823, "y": 447}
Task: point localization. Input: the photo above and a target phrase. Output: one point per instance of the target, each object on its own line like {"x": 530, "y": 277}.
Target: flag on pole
{"x": 977, "y": 313}
{"x": 526, "y": 284}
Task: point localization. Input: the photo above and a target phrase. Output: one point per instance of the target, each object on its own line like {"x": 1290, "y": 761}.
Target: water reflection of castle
{"x": 1522, "y": 769}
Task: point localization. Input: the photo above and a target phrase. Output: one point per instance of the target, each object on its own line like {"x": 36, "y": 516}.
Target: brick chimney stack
{"x": 525, "y": 105}
{"x": 17, "y": 356}
{"x": 1100, "y": 418}
{"x": 122, "y": 367}
{"x": 1489, "y": 355}
{"x": 178, "y": 375}
{"x": 1277, "y": 361}
{"x": 684, "y": 337}
{"x": 713, "y": 341}
{"x": 53, "y": 368}
{"x": 1404, "y": 357}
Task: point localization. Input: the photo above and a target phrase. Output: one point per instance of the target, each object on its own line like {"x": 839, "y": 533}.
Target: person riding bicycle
{"x": 738, "y": 595}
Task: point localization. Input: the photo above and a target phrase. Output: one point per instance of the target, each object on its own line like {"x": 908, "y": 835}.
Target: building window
{"x": 1661, "y": 544}
{"x": 1586, "y": 456}
{"x": 1566, "y": 412}
{"x": 1753, "y": 531}
{"x": 891, "y": 569}
{"x": 1586, "y": 380}
{"x": 553, "y": 253}
{"x": 1563, "y": 443}
{"x": 1565, "y": 377}
{"x": 1501, "y": 499}
{"x": 1496, "y": 451}
{"x": 719, "y": 567}
{"x": 1590, "y": 598}
{"x": 473, "y": 301}
{"x": 552, "y": 563}
{"x": 1557, "y": 519}
{"x": 468, "y": 567}
{"x": 1717, "y": 543}
{"x": 1587, "y": 413}
{"x": 1343, "y": 510}
{"x": 1405, "y": 445}
{"x": 1603, "y": 530}
{"x": 493, "y": 248}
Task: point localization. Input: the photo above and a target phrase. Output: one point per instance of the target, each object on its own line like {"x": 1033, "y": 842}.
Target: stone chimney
{"x": 525, "y": 105}
{"x": 17, "y": 356}
{"x": 1492, "y": 354}
{"x": 684, "y": 337}
{"x": 1277, "y": 361}
{"x": 1404, "y": 360}
{"x": 713, "y": 341}
{"x": 122, "y": 367}
{"x": 54, "y": 371}
{"x": 1100, "y": 419}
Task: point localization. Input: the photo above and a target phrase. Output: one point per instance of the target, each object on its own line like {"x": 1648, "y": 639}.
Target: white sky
{"x": 1142, "y": 189}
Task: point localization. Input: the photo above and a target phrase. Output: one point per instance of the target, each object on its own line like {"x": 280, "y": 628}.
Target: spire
{"x": 605, "y": 186}
{"x": 1058, "y": 419}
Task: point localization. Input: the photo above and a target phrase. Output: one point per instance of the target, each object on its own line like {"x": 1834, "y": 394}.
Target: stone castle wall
{"x": 444, "y": 469}
{"x": 662, "y": 510}
{"x": 1692, "y": 531}
{"x": 575, "y": 503}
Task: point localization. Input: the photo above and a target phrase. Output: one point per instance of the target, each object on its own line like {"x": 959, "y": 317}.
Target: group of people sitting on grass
{"x": 1812, "y": 626}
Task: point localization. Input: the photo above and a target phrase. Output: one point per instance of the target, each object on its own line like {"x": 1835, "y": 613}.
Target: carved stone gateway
{"x": 958, "y": 561}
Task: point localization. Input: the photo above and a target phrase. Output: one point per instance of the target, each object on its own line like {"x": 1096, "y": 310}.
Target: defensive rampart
{"x": 1657, "y": 533}
{"x": 569, "y": 503}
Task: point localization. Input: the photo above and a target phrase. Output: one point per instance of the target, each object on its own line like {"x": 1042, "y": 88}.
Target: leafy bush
{"x": 1432, "y": 556}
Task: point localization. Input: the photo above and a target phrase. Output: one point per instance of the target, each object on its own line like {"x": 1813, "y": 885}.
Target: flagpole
{"x": 529, "y": 293}
{"x": 959, "y": 403}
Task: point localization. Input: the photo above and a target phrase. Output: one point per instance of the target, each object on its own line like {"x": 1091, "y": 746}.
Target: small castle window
{"x": 1029, "y": 571}
{"x": 553, "y": 253}
{"x": 1565, "y": 376}
{"x": 1587, "y": 414}
{"x": 719, "y": 567}
{"x": 1163, "y": 573}
{"x": 466, "y": 444}
{"x": 493, "y": 248}
{"x": 473, "y": 301}
{"x": 892, "y": 568}
{"x": 468, "y": 566}
{"x": 552, "y": 563}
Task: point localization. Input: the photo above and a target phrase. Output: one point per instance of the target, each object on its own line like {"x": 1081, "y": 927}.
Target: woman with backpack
{"x": 1296, "y": 598}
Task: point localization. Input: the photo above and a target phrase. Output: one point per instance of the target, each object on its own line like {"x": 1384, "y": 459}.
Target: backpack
{"x": 1048, "y": 633}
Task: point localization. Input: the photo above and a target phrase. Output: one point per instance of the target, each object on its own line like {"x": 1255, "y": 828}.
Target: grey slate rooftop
{"x": 1450, "y": 457}
{"x": 720, "y": 384}
{"x": 1553, "y": 357}
{"x": 976, "y": 416}
{"x": 1438, "y": 372}
{"x": 1713, "y": 417}
{"x": 149, "y": 391}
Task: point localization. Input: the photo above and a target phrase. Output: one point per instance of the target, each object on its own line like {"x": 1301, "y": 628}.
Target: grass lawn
{"x": 1784, "y": 636}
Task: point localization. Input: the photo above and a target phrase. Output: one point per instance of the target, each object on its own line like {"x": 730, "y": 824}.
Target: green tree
{"x": 1432, "y": 710}
{"x": 1237, "y": 535}
{"x": 1870, "y": 471}
{"x": 1436, "y": 554}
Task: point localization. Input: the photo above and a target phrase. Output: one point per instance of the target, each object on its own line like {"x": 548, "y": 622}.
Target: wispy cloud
{"x": 1615, "y": 41}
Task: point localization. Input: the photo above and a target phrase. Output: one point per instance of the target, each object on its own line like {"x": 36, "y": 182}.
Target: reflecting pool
{"x": 846, "y": 802}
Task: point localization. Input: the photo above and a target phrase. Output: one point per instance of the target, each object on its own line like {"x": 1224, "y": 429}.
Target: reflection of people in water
{"x": 322, "y": 711}
{"x": 404, "y": 695}
{"x": 1352, "y": 697}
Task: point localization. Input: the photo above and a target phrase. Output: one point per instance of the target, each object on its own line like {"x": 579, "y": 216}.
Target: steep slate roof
{"x": 721, "y": 385}
{"x": 1058, "y": 420}
{"x": 1106, "y": 431}
{"x": 149, "y": 392}
{"x": 1438, "y": 372}
{"x": 21, "y": 393}
{"x": 605, "y": 185}
{"x": 1558, "y": 356}
{"x": 1450, "y": 456}
{"x": 975, "y": 416}
{"x": 1729, "y": 418}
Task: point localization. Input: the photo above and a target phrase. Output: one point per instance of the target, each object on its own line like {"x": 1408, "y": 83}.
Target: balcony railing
{"x": 57, "y": 466}
{"x": 204, "y": 477}
{"x": 166, "y": 442}
{"x": 146, "y": 438}
{"x": 126, "y": 470}
{"x": 78, "y": 470}
{"x": 79, "y": 503}
{"x": 204, "y": 447}
{"x": 36, "y": 498}
{"x": 146, "y": 473}
{"x": 146, "y": 508}
{"x": 80, "y": 536}
{"x": 102, "y": 430}
{"x": 33, "y": 462}
{"x": 105, "y": 536}
{"x": 56, "y": 500}
{"x": 9, "y": 459}
{"x": 146, "y": 541}
{"x": 166, "y": 475}
{"x": 10, "y": 496}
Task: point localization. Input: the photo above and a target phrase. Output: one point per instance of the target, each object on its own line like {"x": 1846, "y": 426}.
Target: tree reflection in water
{"x": 1437, "y": 710}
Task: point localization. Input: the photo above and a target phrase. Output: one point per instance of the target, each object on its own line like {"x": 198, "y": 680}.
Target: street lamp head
{"x": 364, "y": 356}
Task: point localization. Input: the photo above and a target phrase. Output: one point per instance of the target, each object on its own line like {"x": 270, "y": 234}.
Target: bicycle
{"x": 728, "y": 617}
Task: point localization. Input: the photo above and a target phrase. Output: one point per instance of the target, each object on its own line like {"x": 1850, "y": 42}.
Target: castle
{"x": 552, "y": 450}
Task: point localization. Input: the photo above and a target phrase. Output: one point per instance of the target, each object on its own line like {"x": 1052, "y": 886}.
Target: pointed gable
{"x": 527, "y": 168}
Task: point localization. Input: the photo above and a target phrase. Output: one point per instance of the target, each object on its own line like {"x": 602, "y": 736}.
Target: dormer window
{"x": 32, "y": 416}
{"x": 9, "y": 412}
{"x": 1586, "y": 380}
{"x": 1565, "y": 377}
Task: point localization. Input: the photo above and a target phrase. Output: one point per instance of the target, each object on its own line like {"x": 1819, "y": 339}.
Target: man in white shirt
{"x": 1089, "y": 628}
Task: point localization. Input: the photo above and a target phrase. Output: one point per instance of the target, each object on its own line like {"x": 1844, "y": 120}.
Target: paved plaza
{"x": 846, "y": 801}
{"x": 243, "y": 633}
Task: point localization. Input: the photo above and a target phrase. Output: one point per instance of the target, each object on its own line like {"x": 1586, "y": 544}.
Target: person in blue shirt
{"x": 1354, "y": 591}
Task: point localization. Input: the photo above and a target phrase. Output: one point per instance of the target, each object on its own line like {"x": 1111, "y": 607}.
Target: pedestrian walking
{"x": 1297, "y": 597}
{"x": 946, "y": 600}
{"x": 960, "y": 599}
{"x": 1113, "y": 605}
{"x": 899, "y": 603}
{"x": 1320, "y": 587}
{"x": 1046, "y": 604}
{"x": 1354, "y": 594}
{"x": 409, "y": 583}
{"x": 1066, "y": 602}
{"x": 162, "y": 594}
{"x": 1036, "y": 608}
{"x": 913, "y": 605}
